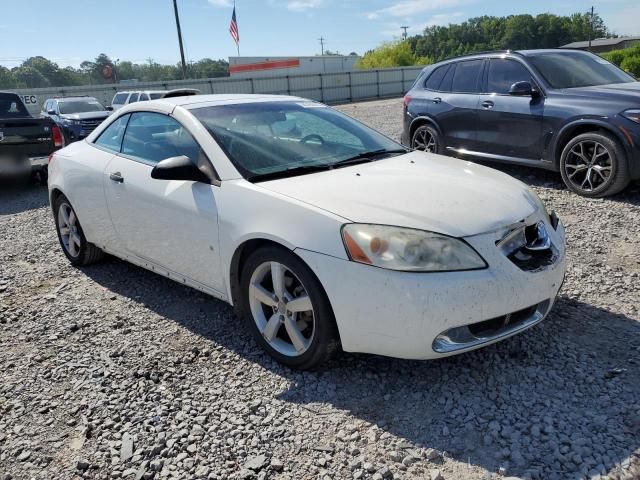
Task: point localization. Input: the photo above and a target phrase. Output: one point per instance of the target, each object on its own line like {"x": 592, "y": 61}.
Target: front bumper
{"x": 425, "y": 315}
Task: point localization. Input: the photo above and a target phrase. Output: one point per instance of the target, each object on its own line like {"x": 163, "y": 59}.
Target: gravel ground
{"x": 114, "y": 372}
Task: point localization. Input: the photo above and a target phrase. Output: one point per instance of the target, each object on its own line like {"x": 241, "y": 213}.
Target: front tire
{"x": 594, "y": 165}
{"x": 286, "y": 309}
{"x": 72, "y": 240}
{"x": 426, "y": 139}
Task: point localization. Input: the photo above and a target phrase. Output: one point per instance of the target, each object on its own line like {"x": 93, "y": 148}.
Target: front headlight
{"x": 406, "y": 249}
{"x": 632, "y": 114}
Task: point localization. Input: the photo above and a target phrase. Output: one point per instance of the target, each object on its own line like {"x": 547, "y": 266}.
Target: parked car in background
{"x": 77, "y": 117}
{"x": 25, "y": 142}
{"x": 121, "y": 99}
{"x": 563, "y": 110}
{"x": 320, "y": 231}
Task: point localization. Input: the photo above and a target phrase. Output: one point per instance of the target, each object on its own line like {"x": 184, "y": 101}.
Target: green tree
{"x": 7, "y": 80}
{"x": 29, "y": 77}
{"x": 392, "y": 54}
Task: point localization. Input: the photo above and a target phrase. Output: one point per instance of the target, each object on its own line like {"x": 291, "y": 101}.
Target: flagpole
{"x": 237, "y": 43}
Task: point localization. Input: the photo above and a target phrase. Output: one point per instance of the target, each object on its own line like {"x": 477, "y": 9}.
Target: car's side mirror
{"x": 51, "y": 112}
{"x": 179, "y": 168}
{"x": 523, "y": 89}
{"x": 109, "y": 108}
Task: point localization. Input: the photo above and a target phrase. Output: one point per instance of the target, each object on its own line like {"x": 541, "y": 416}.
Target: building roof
{"x": 600, "y": 42}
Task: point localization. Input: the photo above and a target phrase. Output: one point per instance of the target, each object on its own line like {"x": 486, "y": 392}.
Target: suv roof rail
{"x": 484, "y": 52}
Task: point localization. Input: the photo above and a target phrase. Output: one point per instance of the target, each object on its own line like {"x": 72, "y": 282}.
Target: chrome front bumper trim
{"x": 461, "y": 338}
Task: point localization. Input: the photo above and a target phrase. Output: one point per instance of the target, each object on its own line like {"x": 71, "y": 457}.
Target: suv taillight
{"x": 407, "y": 100}
{"x": 56, "y": 136}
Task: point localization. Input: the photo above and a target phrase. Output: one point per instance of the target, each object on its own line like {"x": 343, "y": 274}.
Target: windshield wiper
{"x": 318, "y": 167}
{"x": 367, "y": 156}
{"x": 289, "y": 172}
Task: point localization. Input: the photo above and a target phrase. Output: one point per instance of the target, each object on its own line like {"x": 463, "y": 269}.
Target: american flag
{"x": 233, "y": 27}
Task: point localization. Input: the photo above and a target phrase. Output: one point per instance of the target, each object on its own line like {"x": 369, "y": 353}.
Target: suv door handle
{"x": 436, "y": 100}
{"x": 487, "y": 104}
{"x": 117, "y": 177}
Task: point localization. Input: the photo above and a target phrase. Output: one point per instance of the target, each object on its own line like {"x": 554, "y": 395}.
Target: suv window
{"x": 465, "y": 77}
{"x": 134, "y": 97}
{"x": 503, "y": 73}
{"x": 111, "y": 138}
{"x": 143, "y": 97}
{"x": 435, "y": 79}
{"x": 152, "y": 137}
{"x": 120, "y": 98}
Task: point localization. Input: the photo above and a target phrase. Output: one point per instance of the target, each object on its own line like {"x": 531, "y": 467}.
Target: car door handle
{"x": 436, "y": 100}
{"x": 487, "y": 104}
{"x": 117, "y": 177}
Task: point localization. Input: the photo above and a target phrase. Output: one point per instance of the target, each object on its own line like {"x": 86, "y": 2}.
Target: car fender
{"x": 564, "y": 134}
{"x": 423, "y": 119}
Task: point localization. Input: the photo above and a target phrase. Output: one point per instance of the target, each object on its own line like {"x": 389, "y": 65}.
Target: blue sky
{"x": 69, "y": 31}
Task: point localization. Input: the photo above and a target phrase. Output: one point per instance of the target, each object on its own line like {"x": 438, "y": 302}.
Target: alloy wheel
{"x": 588, "y": 165}
{"x": 68, "y": 228}
{"x": 282, "y": 309}
{"x": 424, "y": 140}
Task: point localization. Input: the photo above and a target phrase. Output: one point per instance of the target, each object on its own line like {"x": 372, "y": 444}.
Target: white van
{"x": 121, "y": 99}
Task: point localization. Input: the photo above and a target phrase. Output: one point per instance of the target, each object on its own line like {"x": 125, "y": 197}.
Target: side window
{"x": 111, "y": 138}
{"x": 153, "y": 137}
{"x": 120, "y": 99}
{"x": 143, "y": 97}
{"x": 435, "y": 79}
{"x": 503, "y": 73}
{"x": 445, "y": 85}
{"x": 133, "y": 98}
{"x": 465, "y": 78}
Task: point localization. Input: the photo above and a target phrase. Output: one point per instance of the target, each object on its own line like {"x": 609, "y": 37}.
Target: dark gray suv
{"x": 563, "y": 110}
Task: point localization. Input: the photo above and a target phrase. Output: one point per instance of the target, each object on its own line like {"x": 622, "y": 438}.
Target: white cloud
{"x": 303, "y": 5}
{"x": 409, "y": 8}
{"x": 220, "y": 3}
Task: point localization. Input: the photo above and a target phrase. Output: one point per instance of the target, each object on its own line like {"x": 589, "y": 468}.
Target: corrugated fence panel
{"x": 307, "y": 86}
{"x": 325, "y": 87}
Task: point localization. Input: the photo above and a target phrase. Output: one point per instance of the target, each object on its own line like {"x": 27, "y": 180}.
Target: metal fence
{"x": 324, "y": 87}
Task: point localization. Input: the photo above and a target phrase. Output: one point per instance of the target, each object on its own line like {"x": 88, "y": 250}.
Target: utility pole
{"x": 184, "y": 64}
{"x": 404, "y": 34}
{"x": 590, "y": 27}
{"x": 322, "y": 39}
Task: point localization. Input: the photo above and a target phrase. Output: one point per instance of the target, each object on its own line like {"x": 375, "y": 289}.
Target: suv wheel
{"x": 286, "y": 309}
{"x": 594, "y": 165}
{"x": 74, "y": 244}
{"x": 426, "y": 138}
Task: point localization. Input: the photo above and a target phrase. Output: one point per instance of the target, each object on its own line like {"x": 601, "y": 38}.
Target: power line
{"x": 322, "y": 39}
{"x": 404, "y": 34}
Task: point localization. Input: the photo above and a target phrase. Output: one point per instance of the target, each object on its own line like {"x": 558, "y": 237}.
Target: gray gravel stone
{"x": 112, "y": 350}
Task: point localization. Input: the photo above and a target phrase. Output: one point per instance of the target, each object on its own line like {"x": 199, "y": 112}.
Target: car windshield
{"x": 11, "y": 106}
{"x": 80, "y": 106}
{"x": 577, "y": 69}
{"x": 277, "y": 139}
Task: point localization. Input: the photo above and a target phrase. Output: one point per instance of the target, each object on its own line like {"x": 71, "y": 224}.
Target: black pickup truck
{"x": 25, "y": 142}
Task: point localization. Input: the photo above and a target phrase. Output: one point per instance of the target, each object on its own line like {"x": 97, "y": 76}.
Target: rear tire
{"x": 269, "y": 319}
{"x": 426, "y": 139}
{"x": 71, "y": 237}
{"x": 594, "y": 165}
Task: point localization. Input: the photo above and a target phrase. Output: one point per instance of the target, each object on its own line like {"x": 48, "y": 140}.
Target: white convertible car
{"x": 323, "y": 233}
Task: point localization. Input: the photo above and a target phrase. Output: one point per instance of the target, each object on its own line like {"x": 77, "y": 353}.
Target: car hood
{"x": 86, "y": 116}
{"x": 416, "y": 190}
{"x": 629, "y": 91}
